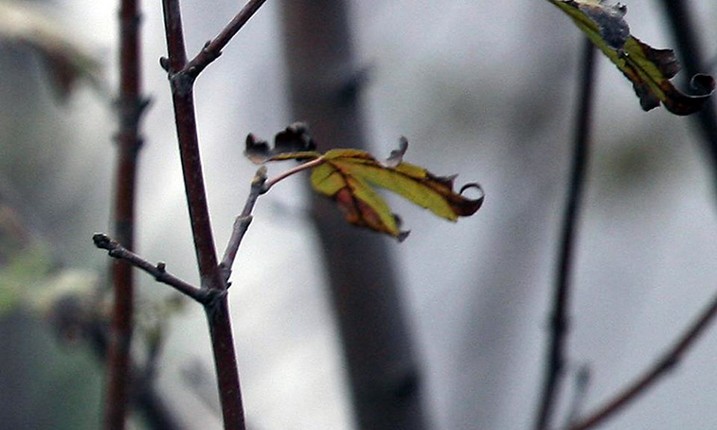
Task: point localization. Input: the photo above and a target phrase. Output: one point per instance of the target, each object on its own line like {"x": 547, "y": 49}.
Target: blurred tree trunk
{"x": 382, "y": 369}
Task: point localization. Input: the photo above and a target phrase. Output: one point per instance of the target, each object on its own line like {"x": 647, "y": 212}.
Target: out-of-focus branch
{"x": 383, "y": 371}
{"x": 661, "y": 367}
{"x": 557, "y": 345}
{"x": 689, "y": 49}
{"x": 130, "y": 107}
{"x": 71, "y": 317}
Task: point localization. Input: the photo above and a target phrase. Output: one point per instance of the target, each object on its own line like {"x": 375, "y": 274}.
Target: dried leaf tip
{"x": 649, "y": 69}
{"x": 396, "y": 156}
{"x": 294, "y": 139}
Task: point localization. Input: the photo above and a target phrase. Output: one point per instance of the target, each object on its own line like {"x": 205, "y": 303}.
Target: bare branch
{"x": 130, "y": 105}
{"x": 659, "y": 369}
{"x": 212, "y": 278}
{"x": 158, "y": 271}
{"x": 241, "y": 224}
{"x": 213, "y": 49}
{"x": 561, "y": 300}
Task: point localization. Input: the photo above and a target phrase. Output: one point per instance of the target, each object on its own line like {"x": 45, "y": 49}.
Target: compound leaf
{"x": 649, "y": 69}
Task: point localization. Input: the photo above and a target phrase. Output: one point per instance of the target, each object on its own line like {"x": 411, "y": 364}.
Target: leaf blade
{"x": 648, "y": 69}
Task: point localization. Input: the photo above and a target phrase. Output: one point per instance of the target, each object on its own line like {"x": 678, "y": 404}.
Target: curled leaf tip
{"x": 396, "y": 156}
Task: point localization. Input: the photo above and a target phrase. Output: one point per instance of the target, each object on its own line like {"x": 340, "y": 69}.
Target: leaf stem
{"x": 555, "y": 359}
{"x": 294, "y": 170}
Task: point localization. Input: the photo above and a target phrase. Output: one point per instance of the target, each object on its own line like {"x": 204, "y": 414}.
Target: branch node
{"x": 182, "y": 82}
{"x": 226, "y": 272}
{"x": 208, "y": 297}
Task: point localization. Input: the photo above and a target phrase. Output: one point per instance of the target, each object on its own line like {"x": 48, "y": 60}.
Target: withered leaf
{"x": 649, "y": 69}
{"x": 295, "y": 139}
{"x": 350, "y": 177}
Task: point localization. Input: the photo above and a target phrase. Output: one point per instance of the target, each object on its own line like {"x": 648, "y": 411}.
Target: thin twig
{"x": 158, "y": 271}
{"x": 241, "y": 224}
{"x": 259, "y": 185}
{"x": 130, "y": 106}
{"x": 555, "y": 359}
{"x": 666, "y": 363}
{"x": 213, "y": 49}
{"x": 581, "y": 385}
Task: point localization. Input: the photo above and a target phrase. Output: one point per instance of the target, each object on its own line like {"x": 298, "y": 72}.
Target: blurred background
{"x": 483, "y": 90}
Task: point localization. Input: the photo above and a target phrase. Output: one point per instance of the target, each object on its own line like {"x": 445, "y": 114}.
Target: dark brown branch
{"x": 666, "y": 363}
{"x": 210, "y": 273}
{"x": 555, "y": 360}
{"x": 130, "y": 108}
{"x": 213, "y": 49}
{"x": 185, "y": 119}
{"x": 158, "y": 271}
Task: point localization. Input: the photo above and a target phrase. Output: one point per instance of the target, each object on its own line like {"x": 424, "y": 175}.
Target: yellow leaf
{"x": 349, "y": 176}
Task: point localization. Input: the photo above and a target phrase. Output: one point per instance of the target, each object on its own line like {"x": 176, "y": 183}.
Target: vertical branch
{"x": 555, "y": 359}
{"x": 383, "y": 372}
{"x": 129, "y": 141}
{"x": 183, "y": 101}
{"x": 217, "y": 310}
